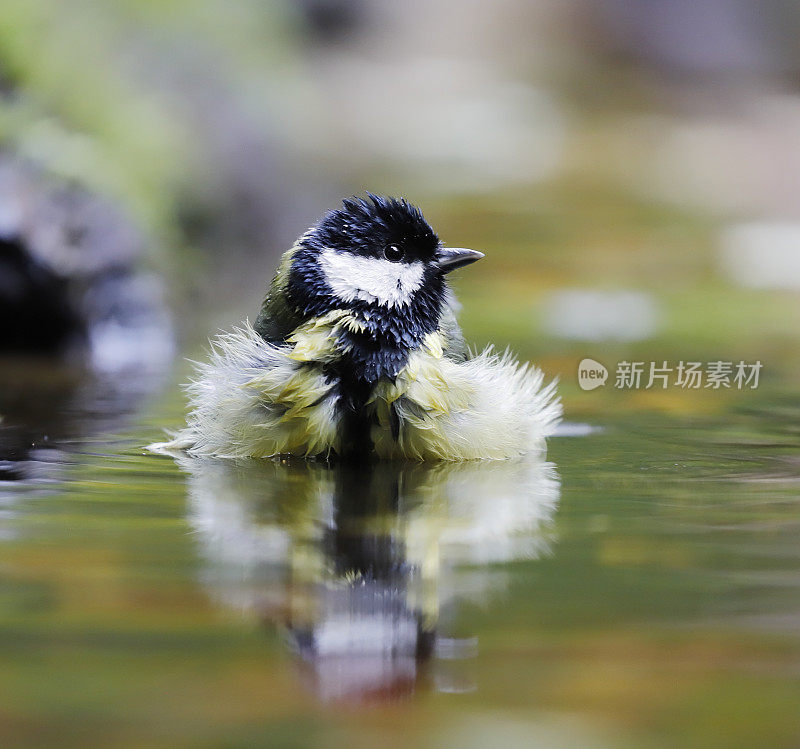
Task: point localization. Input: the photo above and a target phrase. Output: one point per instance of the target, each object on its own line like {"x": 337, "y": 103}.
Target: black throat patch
{"x": 388, "y": 333}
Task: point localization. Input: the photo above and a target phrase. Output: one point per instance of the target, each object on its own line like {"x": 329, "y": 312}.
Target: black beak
{"x": 451, "y": 258}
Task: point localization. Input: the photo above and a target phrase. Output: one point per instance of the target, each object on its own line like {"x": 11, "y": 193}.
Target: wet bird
{"x": 356, "y": 353}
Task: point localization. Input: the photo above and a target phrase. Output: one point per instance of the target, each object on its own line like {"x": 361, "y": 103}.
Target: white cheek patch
{"x": 370, "y": 279}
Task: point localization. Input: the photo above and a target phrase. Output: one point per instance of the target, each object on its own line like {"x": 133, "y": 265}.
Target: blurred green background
{"x": 608, "y": 145}
{"x": 631, "y": 170}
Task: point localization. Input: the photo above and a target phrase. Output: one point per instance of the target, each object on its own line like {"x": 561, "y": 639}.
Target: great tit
{"x": 356, "y": 353}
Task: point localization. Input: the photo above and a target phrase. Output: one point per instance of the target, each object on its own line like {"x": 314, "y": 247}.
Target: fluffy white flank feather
{"x": 255, "y": 399}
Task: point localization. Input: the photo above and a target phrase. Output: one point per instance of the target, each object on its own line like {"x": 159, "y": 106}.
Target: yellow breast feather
{"x": 486, "y": 407}
{"x": 257, "y": 399}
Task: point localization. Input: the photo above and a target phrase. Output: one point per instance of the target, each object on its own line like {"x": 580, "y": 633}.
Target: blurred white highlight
{"x": 764, "y": 255}
{"x": 590, "y": 315}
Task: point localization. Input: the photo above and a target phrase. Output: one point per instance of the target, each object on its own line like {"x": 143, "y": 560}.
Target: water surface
{"x": 637, "y": 588}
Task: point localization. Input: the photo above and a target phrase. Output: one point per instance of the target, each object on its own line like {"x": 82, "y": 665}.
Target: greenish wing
{"x": 275, "y": 319}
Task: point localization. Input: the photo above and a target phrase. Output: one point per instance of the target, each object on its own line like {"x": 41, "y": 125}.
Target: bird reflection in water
{"x": 363, "y": 566}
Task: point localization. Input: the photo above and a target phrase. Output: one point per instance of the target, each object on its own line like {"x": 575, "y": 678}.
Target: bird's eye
{"x": 393, "y": 253}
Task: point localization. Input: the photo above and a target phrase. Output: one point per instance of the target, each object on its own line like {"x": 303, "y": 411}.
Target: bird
{"x": 356, "y": 354}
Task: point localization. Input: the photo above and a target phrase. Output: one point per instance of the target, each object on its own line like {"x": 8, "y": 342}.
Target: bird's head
{"x": 378, "y": 256}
